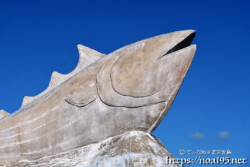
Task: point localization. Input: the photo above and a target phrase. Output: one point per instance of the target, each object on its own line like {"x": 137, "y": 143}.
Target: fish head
{"x": 145, "y": 77}
{"x": 146, "y": 67}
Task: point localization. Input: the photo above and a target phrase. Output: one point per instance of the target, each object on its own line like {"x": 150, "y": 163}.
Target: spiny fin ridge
{"x": 86, "y": 57}
{"x": 3, "y": 114}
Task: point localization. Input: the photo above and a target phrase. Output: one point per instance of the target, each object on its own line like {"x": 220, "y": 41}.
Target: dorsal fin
{"x": 86, "y": 57}
{"x": 3, "y": 114}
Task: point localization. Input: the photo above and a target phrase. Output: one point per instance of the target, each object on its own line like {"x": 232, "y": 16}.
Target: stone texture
{"x": 132, "y": 149}
{"x": 130, "y": 89}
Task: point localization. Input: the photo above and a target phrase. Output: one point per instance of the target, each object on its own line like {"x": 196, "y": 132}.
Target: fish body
{"x": 130, "y": 89}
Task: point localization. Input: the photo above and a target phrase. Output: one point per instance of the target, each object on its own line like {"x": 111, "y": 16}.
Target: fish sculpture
{"x": 130, "y": 89}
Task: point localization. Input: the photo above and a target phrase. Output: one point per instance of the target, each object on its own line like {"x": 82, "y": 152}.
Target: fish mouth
{"x": 186, "y": 42}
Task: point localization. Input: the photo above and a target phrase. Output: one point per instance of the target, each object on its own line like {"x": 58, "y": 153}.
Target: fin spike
{"x": 3, "y": 114}
{"x": 26, "y": 100}
{"x": 86, "y": 57}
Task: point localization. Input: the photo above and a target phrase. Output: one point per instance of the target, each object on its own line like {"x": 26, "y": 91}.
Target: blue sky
{"x": 39, "y": 37}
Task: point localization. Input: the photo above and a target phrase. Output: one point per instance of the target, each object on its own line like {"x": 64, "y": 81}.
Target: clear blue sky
{"x": 39, "y": 37}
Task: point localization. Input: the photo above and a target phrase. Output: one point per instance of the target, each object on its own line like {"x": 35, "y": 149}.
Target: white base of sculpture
{"x": 132, "y": 149}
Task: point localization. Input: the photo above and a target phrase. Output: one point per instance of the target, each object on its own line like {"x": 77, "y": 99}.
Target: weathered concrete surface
{"x": 130, "y": 89}
{"x": 132, "y": 149}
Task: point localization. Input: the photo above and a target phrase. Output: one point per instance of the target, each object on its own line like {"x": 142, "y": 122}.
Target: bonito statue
{"x": 130, "y": 89}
